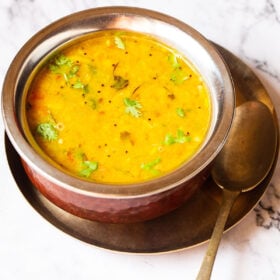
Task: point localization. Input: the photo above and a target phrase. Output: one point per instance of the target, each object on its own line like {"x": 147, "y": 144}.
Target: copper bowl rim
{"x": 80, "y": 23}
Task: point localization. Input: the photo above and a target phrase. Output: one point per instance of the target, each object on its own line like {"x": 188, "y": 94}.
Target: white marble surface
{"x": 31, "y": 248}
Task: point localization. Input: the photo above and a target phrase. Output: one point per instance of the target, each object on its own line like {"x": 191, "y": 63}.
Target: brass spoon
{"x": 244, "y": 161}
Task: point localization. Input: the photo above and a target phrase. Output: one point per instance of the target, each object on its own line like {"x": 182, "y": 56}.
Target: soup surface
{"x": 118, "y": 107}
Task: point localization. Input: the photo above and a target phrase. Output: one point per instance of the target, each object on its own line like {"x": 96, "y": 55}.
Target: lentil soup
{"x": 118, "y": 107}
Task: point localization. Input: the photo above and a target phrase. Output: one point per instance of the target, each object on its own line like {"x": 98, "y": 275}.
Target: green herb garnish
{"x": 150, "y": 166}
{"x": 59, "y": 61}
{"x": 180, "y": 112}
{"x": 172, "y": 58}
{"x": 72, "y": 72}
{"x": 180, "y": 138}
{"x": 79, "y": 85}
{"x": 169, "y": 139}
{"x": 64, "y": 66}
{"x": 47, "y": 130}
{"x": 90, "y": 167}
{"x": 132, "y": 107}
{"x": 119, "y": 43}
{"x": 177, "y": 75}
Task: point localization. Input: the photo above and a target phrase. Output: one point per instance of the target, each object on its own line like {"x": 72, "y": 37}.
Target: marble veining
{"x": 268, "y": 209}
{"x": 30, "y": 248}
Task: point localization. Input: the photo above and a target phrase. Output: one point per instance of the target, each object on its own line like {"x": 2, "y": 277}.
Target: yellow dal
{"x": 118, "y": 107}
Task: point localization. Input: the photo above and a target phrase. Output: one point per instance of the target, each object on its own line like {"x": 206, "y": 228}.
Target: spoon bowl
{"x": 242, "y": 164}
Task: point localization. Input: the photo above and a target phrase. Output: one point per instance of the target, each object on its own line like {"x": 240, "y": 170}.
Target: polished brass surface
{"x": 248, "y": 153}
{"x": 185, "y": 227}
{"x": 242, "y": 164}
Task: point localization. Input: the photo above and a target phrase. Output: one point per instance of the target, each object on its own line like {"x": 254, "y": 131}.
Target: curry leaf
{"x": 119, "y": 83}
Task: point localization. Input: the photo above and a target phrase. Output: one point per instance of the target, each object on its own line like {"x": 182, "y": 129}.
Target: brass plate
{"x": 185, "y": 227}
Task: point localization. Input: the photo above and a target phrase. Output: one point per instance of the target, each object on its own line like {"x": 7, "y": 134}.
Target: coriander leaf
{"x": 119, "y": 83}
{"x": 119, "y": 43}
{"x": 58, "y": 62}
{"x": 178, "y": 76}
{"x": 90, "y": 166}
{"x": 150, "y": 166}
{"x": 70, "y": 73}
{"x": 54, "y": 68}
{"x": 180, "y": 138}
{"x": 169, "y": 140}
{"x": 73, "y": 71}
{"x": 79, "y": 85}
{"x": 132, "y": 107}
{"x": 47, "y": 131}
{"x": 172, "y": 58}
{"x": 180, "y": 112}
{"x": 62, "y": 60}
{"x": 64, "y": 66}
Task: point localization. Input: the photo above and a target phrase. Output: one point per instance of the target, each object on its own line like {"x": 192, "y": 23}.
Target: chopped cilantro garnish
{"x": 181, "y": 138}
{"x": 119, "y": 42}
{"x": 48, "y": 131}
{"x": 169, "y": 139}
{"x": 73, "y": 71}
{"x": 64, "y": 66}
{"x": 178, "y": 76}
{"x": 150, "y": 166}
{"x": 62, "y": 60}
{"x": 132, "y": 107}
{"x": 79, "y": 85}
{"x": 180, "y": 112}
{"x": 172, "y": 58}
{"x": 90, "y": 166}
{"x": 119, "y": 83}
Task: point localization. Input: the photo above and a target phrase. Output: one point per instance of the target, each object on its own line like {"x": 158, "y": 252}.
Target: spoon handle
{"x": 207, "y": 265}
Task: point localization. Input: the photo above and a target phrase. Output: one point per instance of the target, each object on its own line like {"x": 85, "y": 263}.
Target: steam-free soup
{"x": 118, "y": 107}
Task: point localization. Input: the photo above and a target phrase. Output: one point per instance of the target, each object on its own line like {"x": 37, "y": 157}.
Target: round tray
{"x": 189, "y": 225}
